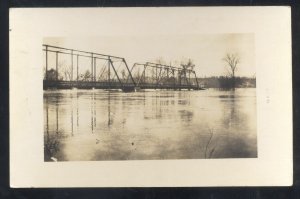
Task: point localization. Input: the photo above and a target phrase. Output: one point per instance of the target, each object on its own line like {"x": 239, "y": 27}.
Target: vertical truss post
{"x": 92, "y": 119}
{"x": 56, "y": 110}
{"x": 146, "y": 65}
{"x": 184, "y": 76}
{"x": 174, "y": 79}
{"x": 156, "y": 75}
{"x": 95, "y": 69}
{"x": 144, "y": 74}
{"x": 159, "y": 77}
{"x": 108, "y": 69}
{"x": 72, "y": 115}
{"x": 77, "y": 118}
{"x": 168, "y": 73}
{"x": 141, "y": 77}
{"x": 77, "y": 67}
{"x": 179, "y": 75}
{"x": 47, "y": 63}
{"x": 92, "y": 66}
{"x": 56, "y": 65}
{"x": 72, "y": 65}
{"x": 188, "y": 78}
{"x": 47, "y": 117}
{"x": 196, "y": 80}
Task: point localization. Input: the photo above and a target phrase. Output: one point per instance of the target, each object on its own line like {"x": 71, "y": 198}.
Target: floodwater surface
{"x": 91, "y": 125}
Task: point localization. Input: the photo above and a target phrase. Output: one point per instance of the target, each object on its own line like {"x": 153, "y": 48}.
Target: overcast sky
{"x": 206, "y": 51}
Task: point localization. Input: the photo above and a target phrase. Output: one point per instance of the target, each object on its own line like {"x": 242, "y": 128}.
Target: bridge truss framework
{"x": 111, "y": 72}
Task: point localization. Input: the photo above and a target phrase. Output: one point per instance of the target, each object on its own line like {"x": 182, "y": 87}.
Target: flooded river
{"x": 89, "y": 125}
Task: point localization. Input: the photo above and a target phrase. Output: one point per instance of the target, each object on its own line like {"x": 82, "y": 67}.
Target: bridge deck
{"x": 48, "y": 84}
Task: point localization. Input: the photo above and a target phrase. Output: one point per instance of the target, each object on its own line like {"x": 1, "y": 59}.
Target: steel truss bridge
{"x": 66, "y": 68}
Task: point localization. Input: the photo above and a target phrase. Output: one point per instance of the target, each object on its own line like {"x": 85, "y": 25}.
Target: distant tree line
{"x": 225, "y": 82}
{"x": 229, "y": 81}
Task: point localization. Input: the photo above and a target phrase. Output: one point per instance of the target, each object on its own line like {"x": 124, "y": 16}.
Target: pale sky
{"x": 206, "y": 50}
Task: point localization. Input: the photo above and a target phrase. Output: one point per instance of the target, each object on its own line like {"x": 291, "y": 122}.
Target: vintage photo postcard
{"x": 149, "y": 97}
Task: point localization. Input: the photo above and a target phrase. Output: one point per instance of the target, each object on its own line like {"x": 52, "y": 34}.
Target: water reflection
{"x": 110, "y": 125}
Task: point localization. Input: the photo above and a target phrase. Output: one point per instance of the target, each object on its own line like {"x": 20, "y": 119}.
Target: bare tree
{"x": 160, "y": 60}
{"x": 123, "y": 73}
{"x": 67, "y": 72}
{"x": 186, "y": 65}
{"x": 52, "y": 75}
{"x": 64, "y": 70}
{"x": 86, "y": 76}
{"x": 232, "y": 60}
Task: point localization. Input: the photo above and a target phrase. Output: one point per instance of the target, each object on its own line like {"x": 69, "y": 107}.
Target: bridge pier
{"x": 128, "y": 89}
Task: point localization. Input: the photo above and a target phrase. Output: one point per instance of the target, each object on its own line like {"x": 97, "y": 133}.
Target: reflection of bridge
{"x": 99, "y": 71}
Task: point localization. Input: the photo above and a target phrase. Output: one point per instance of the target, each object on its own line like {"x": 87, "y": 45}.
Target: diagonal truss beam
{"x": 116, "y": 73}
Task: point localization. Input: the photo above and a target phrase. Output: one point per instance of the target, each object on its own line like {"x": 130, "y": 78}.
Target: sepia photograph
{"x": 149, "y": 98}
